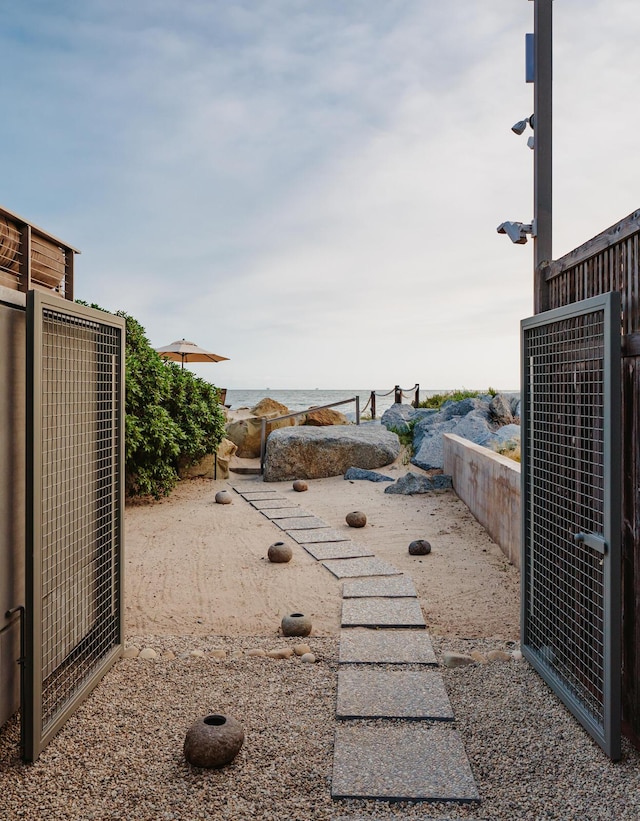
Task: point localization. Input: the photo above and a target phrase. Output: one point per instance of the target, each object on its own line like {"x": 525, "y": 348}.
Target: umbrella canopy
{"x": 183, "y": 351}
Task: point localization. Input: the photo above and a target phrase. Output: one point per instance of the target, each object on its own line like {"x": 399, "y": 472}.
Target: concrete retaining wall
{"x": 489, "y": 484}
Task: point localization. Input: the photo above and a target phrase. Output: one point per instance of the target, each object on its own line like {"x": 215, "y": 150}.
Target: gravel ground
{"x": 120, "y": 756}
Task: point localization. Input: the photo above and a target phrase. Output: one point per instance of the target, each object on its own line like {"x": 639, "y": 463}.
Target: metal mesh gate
{"x": 74, "y": 508}
{"x": 571, "y": 508}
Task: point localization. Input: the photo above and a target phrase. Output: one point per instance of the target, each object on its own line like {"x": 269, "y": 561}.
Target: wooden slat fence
{"x": 611, "y": 262}
{"x": 32, "y": 259}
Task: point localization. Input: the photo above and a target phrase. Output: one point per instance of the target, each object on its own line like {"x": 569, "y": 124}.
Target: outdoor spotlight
{"x": 516, "y": 231}
{"x": 521, "y": 125}
{"x": 531, "y": 142}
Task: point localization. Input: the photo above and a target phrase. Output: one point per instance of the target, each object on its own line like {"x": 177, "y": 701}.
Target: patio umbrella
{"x": 183, "y": 351}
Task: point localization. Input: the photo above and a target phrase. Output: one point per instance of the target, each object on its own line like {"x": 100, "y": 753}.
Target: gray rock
{"x": 315, "y": 453}
{"x": 430, "y": 453}
{"x": 509, "y": 434}
{"x": 463, "y": 407}
{"x": 409, "y": 484}
{"x": 369, "y": 475}
{"x": 397, "y": 417}
{"x": 442, "y": 481}
{"x": 500, "y": 411}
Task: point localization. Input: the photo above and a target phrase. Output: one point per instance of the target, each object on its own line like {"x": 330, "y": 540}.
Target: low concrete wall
{"x": 489, "y": 484}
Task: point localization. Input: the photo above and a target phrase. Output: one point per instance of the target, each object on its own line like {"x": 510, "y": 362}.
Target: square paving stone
{"x": 257, "y": 496}
{"x": 268, "y": 504}
{"x": 321, "y": 534}
{"x": 345, "y": 568}
{"x": 302, "y": 523}
{"x": 386, "y": 647}
{"x": 336, "y": 550}
{"x": 374, "y": 692}
{"x": 286, "y": 513}
{"x": 382, "y": 613}
{"x": 416, "y": 761}
{"x": 393, "y": 586}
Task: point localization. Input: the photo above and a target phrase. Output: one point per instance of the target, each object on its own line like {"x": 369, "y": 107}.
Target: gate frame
{"x": 33, "y": 739}
{"x": 609, "y": 736}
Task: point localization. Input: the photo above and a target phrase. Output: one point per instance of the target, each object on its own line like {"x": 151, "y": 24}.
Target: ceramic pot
{"x": 297, "y": 624}
{"x": 300, "y": 485}
{"x": 419, "y": 547}
{"x": 213, "y": 741}
{"x": 279, "y": 552}
{"x": 223, "y": 497}
{"x": 356, "y": 519}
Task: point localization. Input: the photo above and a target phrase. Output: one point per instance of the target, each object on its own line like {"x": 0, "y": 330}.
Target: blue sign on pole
{"x": 530, "y": 61}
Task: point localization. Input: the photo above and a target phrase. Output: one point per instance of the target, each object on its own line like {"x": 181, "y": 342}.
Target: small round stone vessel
{"x": 300, "y": 485}
{"x": 296, "y": 624}
{"x": 213, "y": 741}
{"x": 356, "y": 519}
{"x": 223, "y": 497}
{"x": 279, "y": 552}
{"x": 420, "y": 547}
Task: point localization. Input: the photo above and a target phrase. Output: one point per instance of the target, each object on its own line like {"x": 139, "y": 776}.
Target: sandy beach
{"x": 202, "y": 595}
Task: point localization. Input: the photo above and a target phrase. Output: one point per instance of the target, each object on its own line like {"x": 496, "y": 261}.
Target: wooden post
{"x": 416, "y": 401}
{"x": 373, "y": 404}
{"x": 397, "y": 398}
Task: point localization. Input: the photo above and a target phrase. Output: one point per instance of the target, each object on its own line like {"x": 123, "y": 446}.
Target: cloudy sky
{"x": 312, "y": 187}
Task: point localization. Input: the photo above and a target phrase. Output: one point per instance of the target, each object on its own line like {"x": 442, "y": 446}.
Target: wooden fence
{"x": 32, "y": 259}
{"x": 611, "y": 262}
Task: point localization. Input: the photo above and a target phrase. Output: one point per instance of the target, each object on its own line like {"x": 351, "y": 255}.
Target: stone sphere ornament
{"x": 296, "y": 624}
{"x": 300, "y": 485}
{"x": 420, "y": 547}
{"x": 223, "y": 497}
{"x": 356, "y": 519}
{"x": 213, "y": 741}
{"x": 279, "y": 552}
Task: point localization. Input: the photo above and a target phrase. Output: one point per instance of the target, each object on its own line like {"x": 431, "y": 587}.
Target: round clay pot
{"x": 300, "y": 485}
{"x": 296, "y": 624}
{"x": 420, "y": 547}
{"x": 279, "y": 552}
{"x": 213, "y": 741}
{"x": 223, "y": 497}
{"x": 356, "y": 519}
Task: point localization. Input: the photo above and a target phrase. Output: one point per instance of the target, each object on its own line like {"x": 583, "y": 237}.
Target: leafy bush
{"x": 173, "y": 418}
{"x": 437, "y": 400}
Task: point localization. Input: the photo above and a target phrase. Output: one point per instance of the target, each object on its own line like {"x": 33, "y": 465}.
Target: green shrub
{"x": 173, "y": 418}
{"x": 437, "y": 400}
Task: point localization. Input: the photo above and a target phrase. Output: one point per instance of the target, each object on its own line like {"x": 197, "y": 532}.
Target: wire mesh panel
{"x": 74, "y": 508}
{"x": 571, "y": 508}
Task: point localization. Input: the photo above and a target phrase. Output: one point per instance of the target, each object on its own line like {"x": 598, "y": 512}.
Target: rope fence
{"x": 398, "y": 394}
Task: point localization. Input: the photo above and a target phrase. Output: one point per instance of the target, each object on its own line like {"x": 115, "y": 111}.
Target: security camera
{"x": 516, "y": 231}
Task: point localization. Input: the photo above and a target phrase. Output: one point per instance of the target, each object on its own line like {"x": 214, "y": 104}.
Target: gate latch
{"x": 593, "y": 541}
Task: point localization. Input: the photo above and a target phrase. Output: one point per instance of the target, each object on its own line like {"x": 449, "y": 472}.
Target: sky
{"x": 312, "y": 187}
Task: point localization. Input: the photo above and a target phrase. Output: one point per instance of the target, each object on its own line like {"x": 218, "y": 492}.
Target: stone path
{"x": 395, "y": 738}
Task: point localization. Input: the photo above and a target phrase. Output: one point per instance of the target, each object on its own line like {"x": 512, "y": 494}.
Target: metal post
{"x": 542, "y": 150}
{"x": 357, "y": 410}
{"x": 373, "y": 404}
{"x": 263, "y": 442}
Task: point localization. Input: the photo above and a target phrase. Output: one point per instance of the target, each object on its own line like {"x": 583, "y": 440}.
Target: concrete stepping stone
{"x": 321, "y": 534}
{"x": 386, "y": 647}
{"x": 393, "y": 586}
{"x": 336, "y": 550}
{"x": 301, "y": 523}
{"x": 377, "y": 692}
{"x": 267, "y": 504}
{"x": 286, "y": 513}
{"x": 415, "y": 761}
{"x": 256, "y": 496}
{"x": 346, "y": 568}
{"x": 403, "y": 612}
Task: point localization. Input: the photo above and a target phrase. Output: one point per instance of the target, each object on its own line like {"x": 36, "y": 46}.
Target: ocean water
{"x": 302, "y": 399}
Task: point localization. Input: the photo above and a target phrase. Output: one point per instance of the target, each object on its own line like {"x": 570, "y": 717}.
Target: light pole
{"x": 542, "y": 149}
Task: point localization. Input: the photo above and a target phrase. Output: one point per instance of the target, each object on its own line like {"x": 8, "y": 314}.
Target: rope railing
{"x": 398, "y": 394}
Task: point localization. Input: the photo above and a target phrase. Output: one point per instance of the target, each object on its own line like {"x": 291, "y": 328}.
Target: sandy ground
{"x": 194, "y": 567}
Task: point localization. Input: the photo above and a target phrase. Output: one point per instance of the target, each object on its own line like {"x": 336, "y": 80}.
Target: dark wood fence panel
{"x": 611, "y": 262}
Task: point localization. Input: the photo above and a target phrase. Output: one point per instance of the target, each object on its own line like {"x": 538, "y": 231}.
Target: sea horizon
{"x": 301, "y": 399}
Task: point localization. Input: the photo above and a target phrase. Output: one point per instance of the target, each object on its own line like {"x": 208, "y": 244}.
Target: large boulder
{"x": 315, "y": 453}
{"x": 245, "y": 433}
{"x": 208, "y": 467}
{"x": 326, "y": 416}
{"x": 269, "y": 407}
